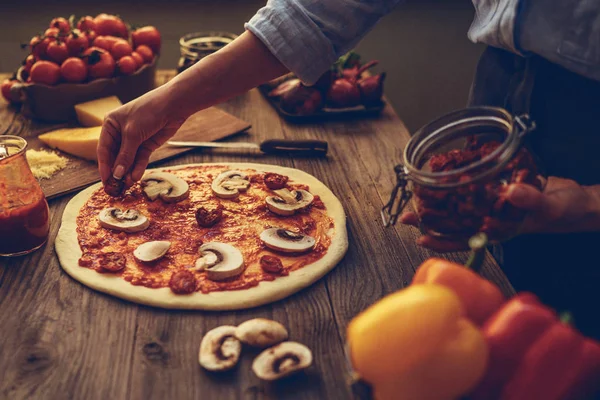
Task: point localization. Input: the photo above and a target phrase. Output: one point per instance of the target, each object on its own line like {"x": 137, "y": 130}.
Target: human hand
{"x": 131, "y": 133}
{"x": 564, "y": 206}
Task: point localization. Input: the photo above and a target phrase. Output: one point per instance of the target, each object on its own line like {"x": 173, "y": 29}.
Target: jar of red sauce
{"x": 24, "y": 215}
{"x": 457, "y": 169}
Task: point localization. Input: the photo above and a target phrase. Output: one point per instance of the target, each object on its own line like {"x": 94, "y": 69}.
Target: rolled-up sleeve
{"x": 565, "y": 32}
{"x": 308, "y": 36}
{"x": 494, "y": 23}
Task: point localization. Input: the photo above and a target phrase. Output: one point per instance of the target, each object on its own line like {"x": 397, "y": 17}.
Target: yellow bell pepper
{"x": 417, "y": 344}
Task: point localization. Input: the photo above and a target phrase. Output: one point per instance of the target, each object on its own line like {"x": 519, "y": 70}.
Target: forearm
{"x": 591, "y": 222}
{"x": 240, "y": 66}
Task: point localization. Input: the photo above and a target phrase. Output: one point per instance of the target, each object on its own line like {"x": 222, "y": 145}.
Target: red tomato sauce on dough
{"x": 244, "y": 218}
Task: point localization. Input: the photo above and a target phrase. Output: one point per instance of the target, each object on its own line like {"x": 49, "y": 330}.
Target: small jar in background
{"x": 197, "y": 45}
{"x": 456, "y": 170}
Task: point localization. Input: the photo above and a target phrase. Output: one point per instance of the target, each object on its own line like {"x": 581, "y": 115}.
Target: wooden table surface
{"x": 60, "y": 339}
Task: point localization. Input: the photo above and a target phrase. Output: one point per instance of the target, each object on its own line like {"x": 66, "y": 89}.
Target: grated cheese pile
{"x": 44, "y": 163}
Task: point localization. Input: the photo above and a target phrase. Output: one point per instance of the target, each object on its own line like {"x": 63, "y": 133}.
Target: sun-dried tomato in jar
{"x": 459, "y": 168}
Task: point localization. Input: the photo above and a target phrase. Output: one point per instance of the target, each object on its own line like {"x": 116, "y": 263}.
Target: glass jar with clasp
{"x": 456, "y": 170}
{"x": 195, "y": 46}
{"x": 24, "y": 215}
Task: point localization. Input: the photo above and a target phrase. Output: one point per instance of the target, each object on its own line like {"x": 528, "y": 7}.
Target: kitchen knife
{"x": 313, "y": 148}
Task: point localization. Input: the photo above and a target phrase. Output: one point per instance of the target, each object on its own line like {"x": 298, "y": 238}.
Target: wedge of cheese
{"x": 92, "y": 112}
{"x": 80, "y": 142}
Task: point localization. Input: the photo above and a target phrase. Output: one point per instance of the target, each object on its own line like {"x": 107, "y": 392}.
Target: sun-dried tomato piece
{"x": 271, "y": 264}
{"x": 182, "y": 282}
{"x": 112, "y": 261}
{"x": 85, "y": 261}
{"x": 209, "y": 217}
{"x": 275, "y": 181}
{"x": 114, "y": 187}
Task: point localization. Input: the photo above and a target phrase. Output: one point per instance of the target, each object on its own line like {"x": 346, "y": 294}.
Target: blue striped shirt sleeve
{"x": 308, "y": 36}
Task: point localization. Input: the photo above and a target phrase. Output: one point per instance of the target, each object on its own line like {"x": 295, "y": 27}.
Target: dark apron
{"x": 562, "y": 269}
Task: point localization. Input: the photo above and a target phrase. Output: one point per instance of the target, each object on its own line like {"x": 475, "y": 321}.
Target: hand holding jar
{"x": 459, "y": 170}
{"x": 469, "y": 172}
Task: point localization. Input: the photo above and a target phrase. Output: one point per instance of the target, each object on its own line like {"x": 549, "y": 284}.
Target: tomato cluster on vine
{"x": 78, "y": 52}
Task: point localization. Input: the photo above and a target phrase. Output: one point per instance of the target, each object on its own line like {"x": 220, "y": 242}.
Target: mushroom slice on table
{"x": 126, "y": 221}
{"x": 220, "y": 261}
{"x": 288, "y": 202}
{"x": 219, "y": 349}
{"x": 151, "y": 251}
{"x": 261, "y": 332}
{"x": 280, "y": 239}
{"x": 168, "y": 187}
{"x": 228, "y": 184}
{"x": 282, "y": 360}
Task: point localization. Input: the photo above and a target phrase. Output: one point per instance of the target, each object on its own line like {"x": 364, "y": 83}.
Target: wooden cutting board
{"x": 207, "y": 125}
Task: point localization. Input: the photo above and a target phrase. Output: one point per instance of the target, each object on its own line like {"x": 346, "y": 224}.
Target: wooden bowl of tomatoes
{"x": 74, "y": 62}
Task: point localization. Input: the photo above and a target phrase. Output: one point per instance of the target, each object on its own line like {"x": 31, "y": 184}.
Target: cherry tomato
{"x": 148, "y": 35}
{"x": 139, "y": 60}
{"x": 77, "y": 42}
{"x": 126, "y": 65}
{"x": 6, "y": 85}
{"x": 57, "y": 51}
{"x": 44, "y": 46}
{"x": 86, "y": 24}
{"x": 100, "y": 63}
{"x": 146, "y": 53}
{"x": 45, "y": 72}
{"x": 52, "y": 33}
{"x": 28, "y": 63}
{"x": 120, "y": 48}
{"x": 74, "y": 70}
{"x": 110, "y": 25}
{"x": 61, "y": 24}
{"x": 91, "y": 35}
{"x": 38, "y": 46}
{"x": 105, "y": 42}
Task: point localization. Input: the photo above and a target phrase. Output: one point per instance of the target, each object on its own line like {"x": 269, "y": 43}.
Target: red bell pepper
{"x": 534, "y": 355}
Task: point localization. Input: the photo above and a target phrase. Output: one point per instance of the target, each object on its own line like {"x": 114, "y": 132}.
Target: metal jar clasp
{"x": 524, "y": 124}
{"x": 399, "y": 198}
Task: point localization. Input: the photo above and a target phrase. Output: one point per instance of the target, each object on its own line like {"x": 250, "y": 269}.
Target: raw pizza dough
{"x": 69, "y": 252}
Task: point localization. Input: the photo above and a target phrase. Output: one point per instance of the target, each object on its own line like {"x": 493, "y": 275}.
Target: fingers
{"x": 126, "y": 157}
{"x": 144, "y": 152}
{"x": 409, "y": 218}
{"x": 141, "y": 162}
{"x": 524, "y": 196}
{"x": 108, "y": 145}
{"x": 430, "y": 242}
{"x": 440, "y": 245}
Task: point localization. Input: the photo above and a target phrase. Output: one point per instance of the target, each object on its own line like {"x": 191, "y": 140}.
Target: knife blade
{"x": 313, "y": 148}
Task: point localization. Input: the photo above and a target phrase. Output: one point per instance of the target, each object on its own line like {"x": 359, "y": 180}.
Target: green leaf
{"x": 348, "y": 60}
